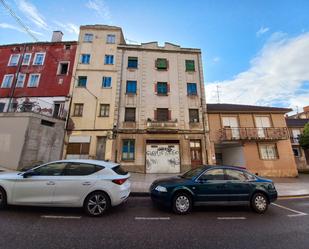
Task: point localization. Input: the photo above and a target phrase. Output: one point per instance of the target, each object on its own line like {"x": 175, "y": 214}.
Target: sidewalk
{"x": 286, "y": 187}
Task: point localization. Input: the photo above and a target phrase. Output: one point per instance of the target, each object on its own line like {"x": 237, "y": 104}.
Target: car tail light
{"x": 119, "y": 181}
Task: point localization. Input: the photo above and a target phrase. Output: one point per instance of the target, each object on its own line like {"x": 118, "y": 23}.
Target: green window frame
{"x": 190, "y": 65}
{"x": 161, "y": 63}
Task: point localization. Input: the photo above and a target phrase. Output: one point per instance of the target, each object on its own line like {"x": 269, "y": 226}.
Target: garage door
{"x": 162, "y": 158}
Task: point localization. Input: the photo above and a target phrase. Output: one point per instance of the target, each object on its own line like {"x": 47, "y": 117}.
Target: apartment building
{"x": 254, "y": 137}
{"x": 37, "y": 76}
{"x": 296, "y": 127}
{"x": 93, "y": 91}
{"x": 161, "y": 112}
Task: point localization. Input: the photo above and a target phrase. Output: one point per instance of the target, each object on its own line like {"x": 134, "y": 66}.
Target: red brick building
{"x": 37, "y": 76}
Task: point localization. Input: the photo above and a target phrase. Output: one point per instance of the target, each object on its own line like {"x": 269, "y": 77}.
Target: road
{"x": 138, "y": 224}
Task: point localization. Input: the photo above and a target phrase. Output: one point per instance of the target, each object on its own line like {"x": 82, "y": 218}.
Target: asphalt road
{"x": 138, "y": 224}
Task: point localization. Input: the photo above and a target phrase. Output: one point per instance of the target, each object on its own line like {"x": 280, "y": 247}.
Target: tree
{"x": 304, "y": 138}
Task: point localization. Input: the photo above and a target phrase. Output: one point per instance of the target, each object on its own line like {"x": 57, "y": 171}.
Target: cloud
{"x": 69, "y": 27}
{"x": 278, "y": 76}
{"x": 262, "y": 31}
{"x": 32, "y": 13}
{"x": 10, "y": 26}
{"x": 216, "y": 59}
{"x": 100, "y": 8}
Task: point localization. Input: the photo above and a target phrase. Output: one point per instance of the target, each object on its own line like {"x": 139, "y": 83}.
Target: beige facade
{"x": 160, "y": 145}
{"x": 253, "y": 137}
{"x": 93, "y": 85}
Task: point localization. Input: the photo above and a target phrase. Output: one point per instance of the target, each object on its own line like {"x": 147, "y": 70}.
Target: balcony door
{"x": 295, "y": 135}
{"x": 262, "y": 122}
{"x": 231, "y": 123}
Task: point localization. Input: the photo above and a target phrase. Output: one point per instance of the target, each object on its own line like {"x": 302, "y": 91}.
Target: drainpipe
{"x": 16, "y": 78}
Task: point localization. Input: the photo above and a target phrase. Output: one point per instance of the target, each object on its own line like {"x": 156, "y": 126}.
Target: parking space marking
{"x": 152, "y": 218}
{"x": 59, "y": 217}
{"x": 231, "y": 218}
{"x": 297, "y": 213}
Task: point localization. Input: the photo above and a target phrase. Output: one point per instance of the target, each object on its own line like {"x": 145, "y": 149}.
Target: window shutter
{"x": 169, "y": 115}
{"x": 155, "y": 115}
{"x": 156, "y": 87}
{"x": 168, "y": 87}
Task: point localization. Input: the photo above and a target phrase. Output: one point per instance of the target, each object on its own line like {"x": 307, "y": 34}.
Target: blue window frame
{"x": 109, "y": 59}
{"x": 85, "y": 59}
{"x": 82, "y": 81}
{"x": 191, "y": 89}
{"x": 107, "y": 82}
{"x": 132, "y": 62}
{"x": 162, "y": 88}
{"x": 128, "y": 149}
{"x": 131, "y": 87}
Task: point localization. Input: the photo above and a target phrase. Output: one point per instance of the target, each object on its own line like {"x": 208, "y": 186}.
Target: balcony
{"x": 257, "y": 134}
{"x": 294, "y": 140}
{"x": 162, "y": 126}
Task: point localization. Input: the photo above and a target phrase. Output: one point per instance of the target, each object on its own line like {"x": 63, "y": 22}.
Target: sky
{"x": 254, "y": 52}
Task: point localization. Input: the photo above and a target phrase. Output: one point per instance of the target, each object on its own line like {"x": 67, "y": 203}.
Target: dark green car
{"x": 214, "y": 185}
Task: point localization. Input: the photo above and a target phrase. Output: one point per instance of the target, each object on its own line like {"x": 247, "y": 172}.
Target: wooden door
{"x": 196, "y": 153}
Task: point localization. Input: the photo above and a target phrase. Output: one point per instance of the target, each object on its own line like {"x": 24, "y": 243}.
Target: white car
{"x": 93, "y": 185}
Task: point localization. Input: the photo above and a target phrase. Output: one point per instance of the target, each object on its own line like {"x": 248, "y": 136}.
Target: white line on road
{"x": 297, "y": 213}
{"x": 231, "y": 218}
{"x": 152, "y": 218}
{"x": 60, "y": 217}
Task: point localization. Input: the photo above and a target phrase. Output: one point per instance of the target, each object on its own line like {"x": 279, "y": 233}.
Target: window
{"x": 162, "y": 114}
{"x": 132, "y": 62}
{"x": 33, "y": 80}
{"x": 67, "y": 46}
{"x": 194, "y": 115}
{"x": 82, "y": 81}
{"x": 190, "y": 66}
{"x": 129, "y": 115}
{"x": 120, "y": 171}
{"x": 106, "y": 82}
{"x": 39, "y": 59}
{"x": 26, "y": 59}
{"x": 261, "y": 123}
{"x": 212, "y": 175}
{"x": 2, "y": 105}
{"x": 81, "y": 169}
{"x": 85, "y": 59}
{"x": 78, "y": 110}
{"x": 191, "y": 89}
{"x": 128, "y": 149}
{"x": 268, "y": 152}
{"x": 131, "y": 87}
{"x": 14, "y": 59}
{"x": 20, "y": 80}
{"x": 88, "y": 37}
{"x": 296, "y": 152}
{"x": 235, "y": 175}
{"x": 53, "y": 169}
{"x": 78, "y": 148}
{"x": 111, "y": 39}
{"x": 162, "y": 88}
{"x": 109, "y": 59}
{"x": 161, "y": 63}
{"x": 104, "y": 110}
{"x": 63, "y": 68}
{"x": 7, "y": 81}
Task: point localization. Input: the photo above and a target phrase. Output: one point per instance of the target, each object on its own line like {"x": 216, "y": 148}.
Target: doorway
{"x": 101, "y": 145}
{"x": 196, "y": 153}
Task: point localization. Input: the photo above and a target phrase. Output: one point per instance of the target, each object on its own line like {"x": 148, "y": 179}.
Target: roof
{"x": 214, "y": 108}
{"x": 296, "y": 122}
{"x": 39, "y": 43}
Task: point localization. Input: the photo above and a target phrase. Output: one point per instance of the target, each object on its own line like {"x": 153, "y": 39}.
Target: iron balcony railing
{"x": 277, "y": 133}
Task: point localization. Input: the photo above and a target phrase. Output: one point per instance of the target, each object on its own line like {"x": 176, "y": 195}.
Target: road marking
{"x": 231, "y": 218}
{"x": 297, "y": 213}
{"x": 59, "y": 217}
{"x": 152, "y": 218}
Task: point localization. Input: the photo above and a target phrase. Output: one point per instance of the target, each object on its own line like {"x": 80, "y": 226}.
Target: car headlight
{"x": 161, "y": 189}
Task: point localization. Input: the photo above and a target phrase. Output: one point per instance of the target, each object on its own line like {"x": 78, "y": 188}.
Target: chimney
{"x": 57, "y": 36}
{"x": 306, "y": 108}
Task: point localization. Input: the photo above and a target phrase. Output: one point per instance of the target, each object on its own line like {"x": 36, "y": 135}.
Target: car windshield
{"x": 193, "y": 172}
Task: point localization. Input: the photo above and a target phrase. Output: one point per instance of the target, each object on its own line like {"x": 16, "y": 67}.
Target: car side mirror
{"x": 28, "y": 173}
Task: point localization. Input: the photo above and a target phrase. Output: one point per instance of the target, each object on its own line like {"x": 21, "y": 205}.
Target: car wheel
{"x": 2, "y": 198}
{"x": 97, "y": 203}
{"x": 182, "y": 203}
{"x": 259, "y": 203}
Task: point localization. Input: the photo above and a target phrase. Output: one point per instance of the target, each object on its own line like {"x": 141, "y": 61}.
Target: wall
{"x": 29, "y": 141}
